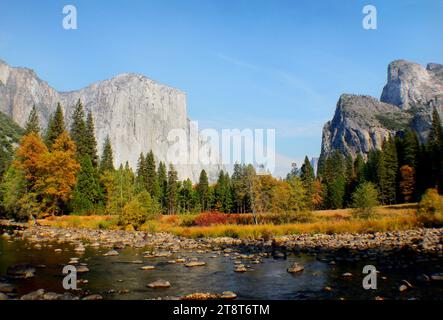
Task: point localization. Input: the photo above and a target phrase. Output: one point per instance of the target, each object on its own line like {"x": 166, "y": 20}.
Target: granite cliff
{"x": 136, "y": 112}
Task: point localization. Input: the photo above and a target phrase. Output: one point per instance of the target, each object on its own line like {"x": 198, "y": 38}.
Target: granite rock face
{"x": 412, "y": 86}
{"x": 361, "y": 123}
{"x": 136, "y": 112}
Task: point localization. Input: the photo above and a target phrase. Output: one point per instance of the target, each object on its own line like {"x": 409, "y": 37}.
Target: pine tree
{"x": 359, "y": 169}
{"x": 334, "y": 175}
{"x": 151, "y": 176}
{"x": 87, "y": 192}
{"x": 163, "y": 186}
{"x": 141, "y": 173}
{"x": 387, "y": 172}
{"x": 56, "y": 126}
{"x": 107, "y": 159}
{"x": 202, "y": 190}
{"x": 78, "y": 130}
{"x": 371, "y": 167}
{"x": 408, "y": 149}
{"x": 223, "y": 193}
{"x": 33, "y": 123}
{"x": 90, "y": 141}
{"x": 187, "y": 197}
{"x": 119, "y": 188}
{"x": 435, "y": 149}
{"x": 172, "y": 190}
{"x": 307, "y": 177}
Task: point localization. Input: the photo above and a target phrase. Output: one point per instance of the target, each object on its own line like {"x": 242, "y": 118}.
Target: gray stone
{"x": 111, "y": 253}
{"x": 34, "y": 295}
{"x": 159, "y": 284}
{"x": 437, "y": 277}
{"x": 195, "y": 264}
{"x": 228, "y": 295}
{"x": 295, "y": 268}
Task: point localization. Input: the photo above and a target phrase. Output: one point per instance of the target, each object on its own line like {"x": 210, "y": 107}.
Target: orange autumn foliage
{"x": 407, "y": 182}
{"x": 51, "y": 174}
{"x": 29, "y": 155}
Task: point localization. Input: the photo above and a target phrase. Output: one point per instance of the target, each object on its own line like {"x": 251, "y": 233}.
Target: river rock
{"x": 93, "y": 297}
{"x": 147, "y": 268}
{"x": 195, "y": 264}
{"x": 6, "y": 287}
{"x": 34, "y": 295}
{"x": 80, "y": 248}
{"x": 228, "y": 295}
{"x": 82, "y": 269}
{"x": 240, "y": 268}
{"x": 402, "y": 288}
{"x": 51, "y": 296}
{"x": 296, "y": 267}
{"x": 437, "y": 276}
{"x": 21, "y": 271}
{"x": 111, "y": 253}
{"x": 201, "y": 296}
{"x": 159, "y": 284}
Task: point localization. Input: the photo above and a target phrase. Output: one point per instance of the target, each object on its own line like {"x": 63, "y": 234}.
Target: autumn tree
{"x": 407, "y": 182}
{"x": 58, "y": 174}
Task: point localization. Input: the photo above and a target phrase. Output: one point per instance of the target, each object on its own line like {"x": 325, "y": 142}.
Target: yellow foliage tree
{"x": 58, "y": 173}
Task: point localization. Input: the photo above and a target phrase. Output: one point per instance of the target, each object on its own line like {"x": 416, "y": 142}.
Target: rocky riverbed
{"x": 162, "y": 265}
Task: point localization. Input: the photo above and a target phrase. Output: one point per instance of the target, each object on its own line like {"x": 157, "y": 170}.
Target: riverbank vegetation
{"x": 386, "y": 218}
{"x": 58, "y": 172}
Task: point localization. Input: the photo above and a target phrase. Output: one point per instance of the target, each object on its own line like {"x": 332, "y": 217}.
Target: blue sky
{"x": 243, "y": 64}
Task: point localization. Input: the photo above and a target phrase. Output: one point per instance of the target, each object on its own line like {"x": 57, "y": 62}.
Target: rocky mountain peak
{"x": 411, "y": 85}
{"x": 361, "y": 123}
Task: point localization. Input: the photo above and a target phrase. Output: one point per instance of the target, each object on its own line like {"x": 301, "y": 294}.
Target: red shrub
{"x": 210, "y": 218}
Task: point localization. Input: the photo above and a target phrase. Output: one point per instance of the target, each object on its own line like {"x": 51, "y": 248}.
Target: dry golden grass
{"x": 387, "y": 218}
{"x": 89, "y": 222}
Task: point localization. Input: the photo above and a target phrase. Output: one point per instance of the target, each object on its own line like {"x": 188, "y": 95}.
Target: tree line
{"x": 58, "y": 171}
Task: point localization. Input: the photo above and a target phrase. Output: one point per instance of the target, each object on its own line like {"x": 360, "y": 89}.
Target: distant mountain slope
{"x": 136, "y": 112}
{"x": 10, "y": 134}
{"x": 361, "y": 123}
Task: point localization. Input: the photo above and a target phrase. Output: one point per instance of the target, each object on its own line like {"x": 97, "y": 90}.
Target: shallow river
{"x": 268, "y": 280}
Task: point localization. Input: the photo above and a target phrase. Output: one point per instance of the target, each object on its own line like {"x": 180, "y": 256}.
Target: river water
{"x": 268, "y": 280}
